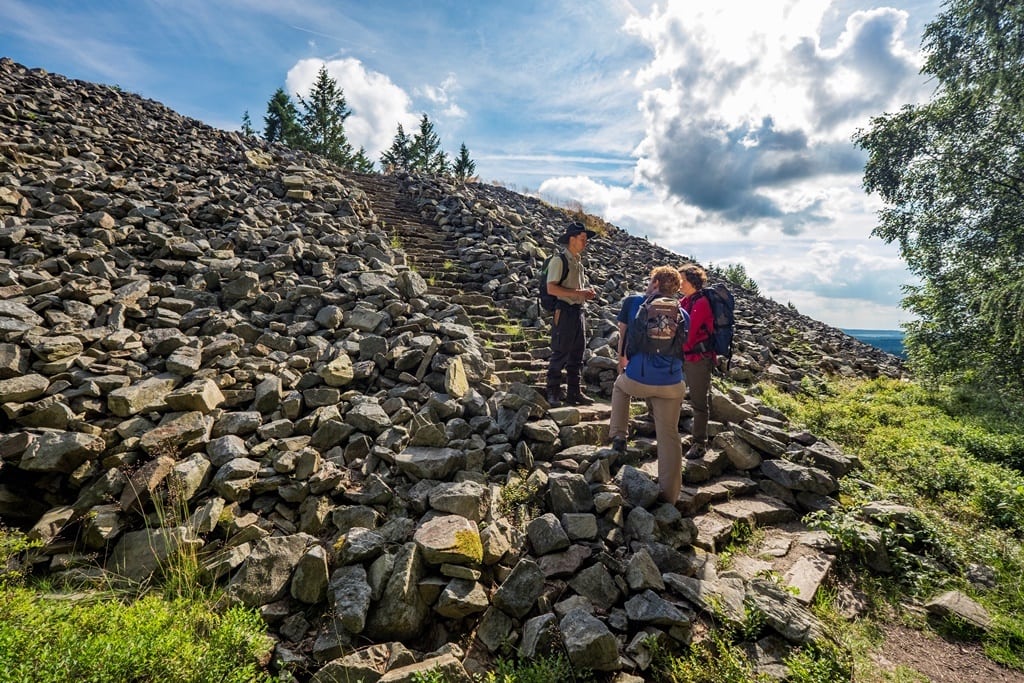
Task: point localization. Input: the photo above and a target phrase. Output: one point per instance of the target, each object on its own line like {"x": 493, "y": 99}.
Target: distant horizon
{"x": 890, "y": 341}
{"x": 869, "y": 330}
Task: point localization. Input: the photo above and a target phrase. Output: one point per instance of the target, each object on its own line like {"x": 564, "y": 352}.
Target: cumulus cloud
{"x": 847, "y": 283}
{"x": 595, "y": 197}
{"x": 443, "y": 96}
{"x": 868, "y": 69}
{"x": 377, "y": 104}
{"x": 871, "y": 272}
{"x": 728, "y": 170}
{"x": 743, "y": 101}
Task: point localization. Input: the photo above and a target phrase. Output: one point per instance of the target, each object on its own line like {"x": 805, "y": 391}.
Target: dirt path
{"x": 940, "y": 660}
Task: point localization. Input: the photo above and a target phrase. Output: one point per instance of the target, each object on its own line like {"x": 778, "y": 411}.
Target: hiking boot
{"x": 579, "y": 399}
{"x": 554, "y": 397}
{"x": 697, "y": 450}
{"x": 619, "y": 444}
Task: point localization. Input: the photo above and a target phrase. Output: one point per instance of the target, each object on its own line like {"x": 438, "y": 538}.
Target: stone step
{"x": 519, "y": 353}
{"x": 472, "y": 300}
{"x": 516, "y": 375}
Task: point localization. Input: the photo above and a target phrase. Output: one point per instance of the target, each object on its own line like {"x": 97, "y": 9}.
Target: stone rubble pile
{"x": 209, "y": 345}
{"x": 503, "y": 237}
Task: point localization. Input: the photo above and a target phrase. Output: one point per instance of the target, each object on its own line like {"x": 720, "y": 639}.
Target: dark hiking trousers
{"x": 698, "y": 379}
{"x": 568, "y": 340}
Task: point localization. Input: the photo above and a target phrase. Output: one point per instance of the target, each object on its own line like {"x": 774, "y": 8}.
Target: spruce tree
{"x": 323, "y": 120}
{"x": 281, "y": 122}
{"x": 361, "y": 163}
{"x": 247, "y": 124}
{"x": 399, "y": 156}
{"x": 440, "y": 165}
{"x": 464, "y": 166}
{"x": 426, "y": 153}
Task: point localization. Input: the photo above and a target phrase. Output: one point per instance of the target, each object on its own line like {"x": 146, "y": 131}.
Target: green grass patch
{"x": 536, "y": 670}
{"x": 713, "y": 660}
{"x": 179, "y": 630}
{"x": 57, "y": 639}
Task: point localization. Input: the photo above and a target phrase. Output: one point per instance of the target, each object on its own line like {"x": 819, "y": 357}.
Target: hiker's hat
{"x": 575, "y": 228}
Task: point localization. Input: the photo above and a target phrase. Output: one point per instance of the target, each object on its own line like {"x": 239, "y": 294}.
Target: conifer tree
{"x": 323, "y": 120}
{"x": 247, "y": 124}
{"x": 464, "y": 166}
{"x": 281, "y": 122}
{"x": 398, "y": 157}
{"x": 361, "y": 163}
{"x": 439, "y": 164}
{"x": 427, "y": 155}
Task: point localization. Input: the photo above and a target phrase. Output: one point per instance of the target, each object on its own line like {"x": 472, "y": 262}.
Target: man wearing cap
{"x": 568, "y": 333}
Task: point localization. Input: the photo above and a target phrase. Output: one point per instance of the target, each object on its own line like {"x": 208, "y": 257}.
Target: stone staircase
{"x": 717, "y": 497}
{"x": 519, "y": 353}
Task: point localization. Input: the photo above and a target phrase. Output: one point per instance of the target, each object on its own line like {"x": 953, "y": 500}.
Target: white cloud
{"x": 747, "y": 158}
{"x": 847, "y": 283}
{"x": 748, "y": 116}
{"x": 840, "y": 275}
{"x": 443, "y": 97}
{"x": 377, "y": 104}
{"x": 595, "y": 197}
{"x": 454, "y": 111}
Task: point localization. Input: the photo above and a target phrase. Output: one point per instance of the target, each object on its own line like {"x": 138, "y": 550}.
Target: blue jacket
{"x": 644, "y": 367}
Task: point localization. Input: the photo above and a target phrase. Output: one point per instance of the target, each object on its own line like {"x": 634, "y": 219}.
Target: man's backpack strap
{"x": 565, "y": 268}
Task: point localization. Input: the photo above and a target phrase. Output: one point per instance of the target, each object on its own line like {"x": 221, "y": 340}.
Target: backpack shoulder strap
{"x": 648, "y": 298}
{"x": 565, "y": 265}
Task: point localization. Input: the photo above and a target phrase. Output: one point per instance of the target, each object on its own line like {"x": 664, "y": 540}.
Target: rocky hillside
{"x": 325, "y": 386}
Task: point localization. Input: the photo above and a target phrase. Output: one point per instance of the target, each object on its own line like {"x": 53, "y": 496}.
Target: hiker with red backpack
{"x": 652, "y": 328}
{"x": 699, "y": 355}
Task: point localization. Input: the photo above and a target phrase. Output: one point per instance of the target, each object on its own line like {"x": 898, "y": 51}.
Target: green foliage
{"x": 247, "y": 128}
{"x": 44, "y": 640}
{"x": 535, "y": 670}
{"x": 422, "y": 153}
{"x": 736, "y": 273}
{"x": 464, "y": 167}
{"x": 13, "y": 546}
{"x": 179, "y": 632}
{"x": 1001, "y": 501}
{"x": 1005, "y": 641}
{"x": 435, "y": 675}
{"x": 754, "y": 621}
{"x": 323, "y": 118}
{"x": 360, "y": 162}
{"x": 425, "y": 152}
{"x": 519, "y": 498}
{"x": 954, "y": 456}
{"x": 951, "y": 175}
{"x": 715, "y": 660}
{"x": 398, "y": 157}
{"x": 820, "y": 663}
{"x": 513, "y": 330}
{"x": 743, "y": 534}
{"x": 281, "y": 124}
{"x": 921, "y": 558}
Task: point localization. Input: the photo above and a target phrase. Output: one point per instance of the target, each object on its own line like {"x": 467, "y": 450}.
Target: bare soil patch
{"x": 941, "y": 660}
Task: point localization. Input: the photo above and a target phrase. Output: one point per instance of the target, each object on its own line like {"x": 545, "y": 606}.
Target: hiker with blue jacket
{"x": 568, "y": 331}
{"x": 698, "y": 356}
{"x": 657, "y": 377}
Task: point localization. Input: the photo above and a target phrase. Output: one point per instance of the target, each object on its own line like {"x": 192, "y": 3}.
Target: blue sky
{"x": 719, "y": 130}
